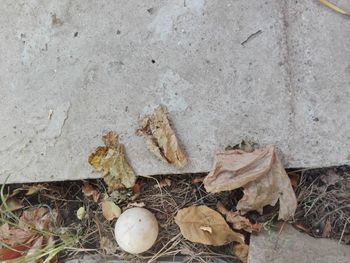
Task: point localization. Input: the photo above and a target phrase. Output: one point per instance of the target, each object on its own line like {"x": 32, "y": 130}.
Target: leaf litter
{"x": 262, "y": 176}
{"x": 188, "y": 222}
{"x": 111, "y": 161}
{"x": 161, "y": 139}
{"x": 203, "y": 225}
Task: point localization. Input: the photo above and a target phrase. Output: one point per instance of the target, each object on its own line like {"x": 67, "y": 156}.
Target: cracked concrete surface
{"x": 71, "y": 70}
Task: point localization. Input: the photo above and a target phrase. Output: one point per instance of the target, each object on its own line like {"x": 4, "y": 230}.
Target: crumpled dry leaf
{"x": 262, "y": 176}
{"x": 241, "y": 251}
{"x": 111, "y": 160}
{"x": 195, "y": 222}
{"x": 38, "y": 218}
{"x": 33, "y": 189}
{"x": 238, "y": 222}
{"x": 25, "y": 235}
{"x": 110, "y": 210}
{"x": 90, "y": 191}
{"x": 13, "y": 236}
{"x": 161, "y": 139}
{"x": 81, "y": 213}
{"x": 108, "y": 245}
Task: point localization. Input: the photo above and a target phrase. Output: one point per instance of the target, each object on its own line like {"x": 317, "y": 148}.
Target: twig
{"x": 250, "y": 37}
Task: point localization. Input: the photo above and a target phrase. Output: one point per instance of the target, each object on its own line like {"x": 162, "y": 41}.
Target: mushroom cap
{"x": 136, "y": 230}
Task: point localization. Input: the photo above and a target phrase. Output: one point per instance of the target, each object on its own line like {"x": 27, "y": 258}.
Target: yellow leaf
{"x": 200, "y": 224}
{"x": 161, "y": 139}
{"x": 262, "y": 176}
{"x": 110, "y": 210}
{"x": 112, "y": 162}
{"x": 81, "y": 213}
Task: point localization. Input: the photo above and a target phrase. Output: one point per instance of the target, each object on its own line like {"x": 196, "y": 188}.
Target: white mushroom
{"x": 136, "y": 230}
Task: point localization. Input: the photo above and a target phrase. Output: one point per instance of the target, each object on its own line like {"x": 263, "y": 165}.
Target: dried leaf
{"x": 327, "y": 230}
{"x": 198, "y": 180}
{"x": 330, "y": 178}
{"x": 294, "y": 179}
{"x": 136, "y": 189}
{"x": 15, "y": 252}
{"x": 161, "y": 139}
{"x": 35, "y": 247}
{"x": 108, "y": 246}
{"x": 110, "y": 210}
{"x": 81, "y": 213}
{"x": 163, "y": 183}
{"x": 262, "y": 176}
{"x": 90, "y": 191}
{"x": 238, "y": 222}
{"x": 13, "y": 236}
{"x": 25, "y": 232}
{"x": 33, "y": 189}
{"x": 12, "y": 204}
{"x": 111, "y": 160}
{"x": 191, "y": 221}
{"x": 241, "y": 251}
{"x": 38, "y": 218}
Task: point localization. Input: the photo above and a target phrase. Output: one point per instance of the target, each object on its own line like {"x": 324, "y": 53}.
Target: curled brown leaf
{"x": 238, "y": 222}
{"x": 262, "y": 176}
{"x": 90, "y": 191}
{"x": 161, "y": 139}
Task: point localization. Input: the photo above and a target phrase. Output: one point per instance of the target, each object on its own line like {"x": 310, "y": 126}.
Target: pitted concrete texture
{"x": 277, "y": 72}
{"x": 291, "y": 246}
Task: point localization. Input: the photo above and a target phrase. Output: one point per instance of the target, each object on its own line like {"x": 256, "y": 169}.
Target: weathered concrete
{"x": 98, "y": 65}
{"x": 291, "y": 246}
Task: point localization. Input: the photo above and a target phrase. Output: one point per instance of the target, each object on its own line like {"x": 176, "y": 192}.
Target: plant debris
{"x": 335, "y": 8}
{"x": 112, "y": 162}
{"x": 324, "y": 203}
{"x": 262, "y": 176}
{"x": 238, "y": 222}
{"x": 29, "y": 234}
{"x": 90, "y": 191}
{"x": 81, "y": 212}
{"x": 203, "y": 225}
{"x": 110, "y": 210}
{"x": 161, "y": 139}
{"x": 109, "y": 246}
{"x": 241, "y": 251}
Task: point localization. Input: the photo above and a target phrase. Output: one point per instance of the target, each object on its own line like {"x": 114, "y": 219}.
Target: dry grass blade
{"x": 335, "y": 8}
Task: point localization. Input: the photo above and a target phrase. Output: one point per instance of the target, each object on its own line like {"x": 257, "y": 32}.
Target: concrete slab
{"x": 97, "y": 65}
{"x": 292, "y": 246}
